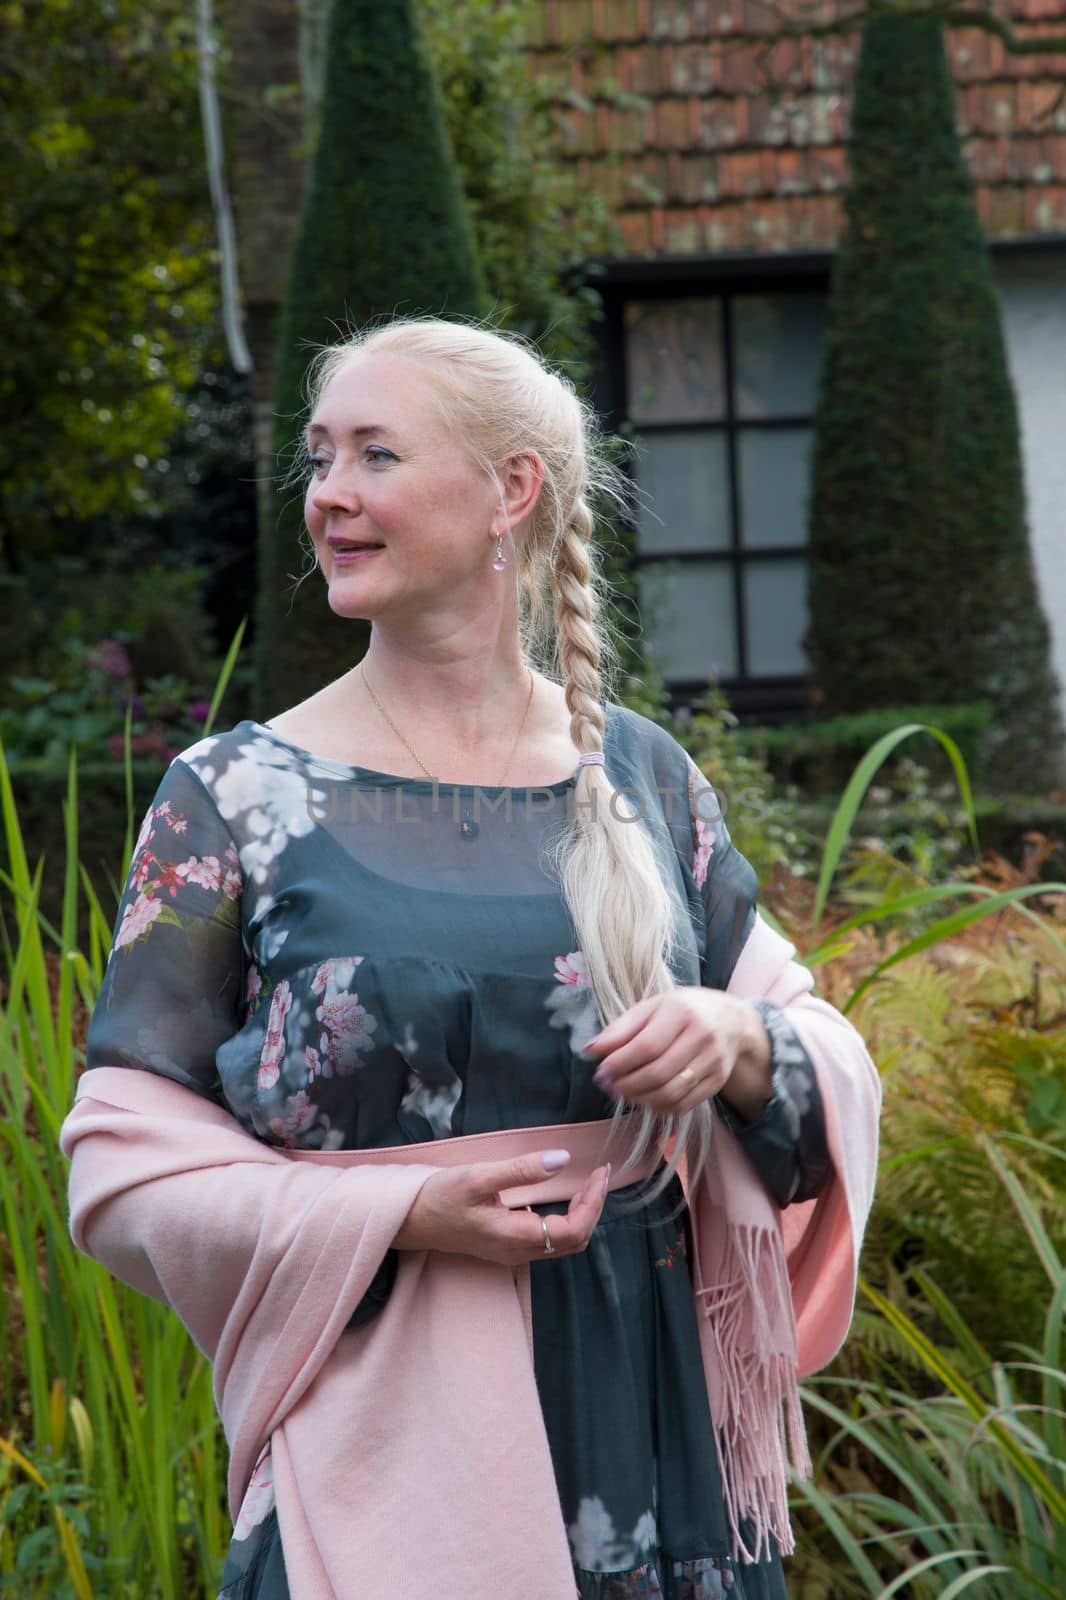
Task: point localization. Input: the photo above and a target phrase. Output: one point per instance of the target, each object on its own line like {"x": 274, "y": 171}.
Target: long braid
{"x": 605, "y": 859}
{"x": 578, "y": 637}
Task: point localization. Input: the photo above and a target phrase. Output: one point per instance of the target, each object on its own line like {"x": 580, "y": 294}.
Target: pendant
{"x": 468, "y": 829}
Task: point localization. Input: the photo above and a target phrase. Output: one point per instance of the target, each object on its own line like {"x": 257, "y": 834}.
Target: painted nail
{"x": 607, "y": 1180}
{"x": 554, "y": 1159}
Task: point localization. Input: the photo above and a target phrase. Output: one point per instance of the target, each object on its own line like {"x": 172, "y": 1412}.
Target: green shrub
{"x": 819, "y": 755}
{"x": 922, "y": 584}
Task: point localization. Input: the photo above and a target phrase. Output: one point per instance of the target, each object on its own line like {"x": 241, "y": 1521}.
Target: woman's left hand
{"x": 721, "y": 1039}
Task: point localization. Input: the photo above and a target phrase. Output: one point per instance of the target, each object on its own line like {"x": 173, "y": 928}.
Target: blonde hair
{"x": 500, "y": 400}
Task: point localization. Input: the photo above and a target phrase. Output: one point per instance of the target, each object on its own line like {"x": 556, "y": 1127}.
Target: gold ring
{"x": 549, "y": 1248}
{"x": 689, "y": 1076}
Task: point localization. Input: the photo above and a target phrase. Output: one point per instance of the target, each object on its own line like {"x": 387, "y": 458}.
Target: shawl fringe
{"x": 759, "y": 1420}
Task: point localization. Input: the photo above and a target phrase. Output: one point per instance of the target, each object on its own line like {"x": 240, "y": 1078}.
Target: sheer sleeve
{"x": 173, "y": 988}
{"x": 787, "y": 1141}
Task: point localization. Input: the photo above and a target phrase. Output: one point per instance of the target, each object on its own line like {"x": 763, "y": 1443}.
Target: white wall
{"x": 1033, "y": 294}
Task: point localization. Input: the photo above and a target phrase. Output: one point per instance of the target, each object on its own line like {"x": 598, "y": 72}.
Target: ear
{"x": 521, "y": 479}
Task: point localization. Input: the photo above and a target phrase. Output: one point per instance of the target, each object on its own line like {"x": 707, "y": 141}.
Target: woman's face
{"x": 386, "y": 469}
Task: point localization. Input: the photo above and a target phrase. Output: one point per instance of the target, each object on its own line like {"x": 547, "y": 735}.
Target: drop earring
{"x": 500, "y": 560}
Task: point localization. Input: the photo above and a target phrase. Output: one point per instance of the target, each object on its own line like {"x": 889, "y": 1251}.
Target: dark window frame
{"x": 782, "y": 696}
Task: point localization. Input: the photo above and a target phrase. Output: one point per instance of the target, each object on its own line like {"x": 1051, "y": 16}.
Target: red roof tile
{"x": 737, "y": 139}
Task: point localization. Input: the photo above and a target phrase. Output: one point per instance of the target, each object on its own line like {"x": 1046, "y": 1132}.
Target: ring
{"x": 689, "y": 1076}
{"x": 549, "y": 1248}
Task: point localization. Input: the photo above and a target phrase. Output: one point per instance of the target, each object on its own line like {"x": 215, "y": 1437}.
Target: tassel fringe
{"x": 752, "y": 1329}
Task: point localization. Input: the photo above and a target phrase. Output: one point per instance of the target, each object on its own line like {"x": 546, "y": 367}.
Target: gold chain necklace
{"x": 418, "y": 758}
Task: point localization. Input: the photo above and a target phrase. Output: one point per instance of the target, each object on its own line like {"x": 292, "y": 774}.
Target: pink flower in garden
{"x": 111, "y": 658}
{"x": 571, "y": 969}
{"x": 205, "y": 871}
{"x": 274, "y": 1045}
{"x": 259, "y": 1497}
{"x": 137, "y": 919}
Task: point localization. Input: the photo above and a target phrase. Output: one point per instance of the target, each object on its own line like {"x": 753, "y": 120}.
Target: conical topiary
{"x": 922, "y": 585}
{"x": 384, "y": 230}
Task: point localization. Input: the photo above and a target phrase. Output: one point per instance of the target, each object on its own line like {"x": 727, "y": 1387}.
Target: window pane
{"x": 675, "y": 360}
{"x": 774, "y": 483}
{"x": 778, "y": 340}
{"x": 683, "y": 479}
{"x": 688, "y": 617}
{"x": 775, "y": 610}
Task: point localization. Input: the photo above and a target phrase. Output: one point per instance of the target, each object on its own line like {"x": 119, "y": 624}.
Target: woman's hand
{"x": 721, "y": 1039}
{"x": 459, "y": 1209}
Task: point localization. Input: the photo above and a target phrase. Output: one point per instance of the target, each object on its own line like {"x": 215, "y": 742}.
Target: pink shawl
{"x": 391, "y": 1442}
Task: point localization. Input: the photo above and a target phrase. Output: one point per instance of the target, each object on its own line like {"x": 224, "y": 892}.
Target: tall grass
{"x": 112, "y": 1464}
{"x": 963, "y": 1491}
{"x": 113, "y": 1469}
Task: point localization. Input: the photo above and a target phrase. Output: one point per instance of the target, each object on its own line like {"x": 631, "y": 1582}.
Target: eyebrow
{"x": 354, "y": 433}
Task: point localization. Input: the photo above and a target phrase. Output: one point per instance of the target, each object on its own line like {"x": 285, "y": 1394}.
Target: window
{"x": 720, "y": 390}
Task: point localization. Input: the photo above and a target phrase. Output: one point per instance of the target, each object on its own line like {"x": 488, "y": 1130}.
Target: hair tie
{"x": 591, "y": 758}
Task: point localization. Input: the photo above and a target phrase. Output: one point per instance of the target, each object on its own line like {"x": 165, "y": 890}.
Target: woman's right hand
{"x": 459, "y": 1209}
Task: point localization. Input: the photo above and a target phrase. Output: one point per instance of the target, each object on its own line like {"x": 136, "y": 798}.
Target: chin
{"x": 349, "y": 605}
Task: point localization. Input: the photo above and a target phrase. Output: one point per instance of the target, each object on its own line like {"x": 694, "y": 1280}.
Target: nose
{"x": 332, "y": 491}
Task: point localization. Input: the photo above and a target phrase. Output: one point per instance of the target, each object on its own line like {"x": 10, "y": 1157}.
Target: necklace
{"x": 467, "y": 828}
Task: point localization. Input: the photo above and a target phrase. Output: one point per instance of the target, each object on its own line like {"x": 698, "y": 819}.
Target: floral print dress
{"x": 347, "y": 959}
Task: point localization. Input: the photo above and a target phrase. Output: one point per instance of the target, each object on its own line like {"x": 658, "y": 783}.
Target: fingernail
{"x": 607, "y": 1180}
{"x": 554, "y": 1159}
{"x": 601, "y": 1077}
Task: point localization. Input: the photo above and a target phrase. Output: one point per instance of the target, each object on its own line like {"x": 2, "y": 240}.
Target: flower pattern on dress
{"x": 274, "y": 1047}
{"x": 259, "y": 1497}
{"x": 155, "y": 877}
{"x": 347, "y": 1027}
{"x": 268, "y": 798}
{"x": 137, "y": 919}
{"x": 598, "y": 1547}
{"x": 434, "y": 1100}
{"x": 571, "y": 1003}
{"x": 674, "y": 1251}
{"x": 253, "y": 986}
{"x": 702, "y": 826}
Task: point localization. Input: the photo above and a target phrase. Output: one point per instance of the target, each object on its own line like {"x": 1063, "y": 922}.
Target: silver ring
{"x": 549, "y": 1248}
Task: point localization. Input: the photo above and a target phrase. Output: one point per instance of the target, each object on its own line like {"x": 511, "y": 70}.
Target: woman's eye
{"x": 373, "y": 450}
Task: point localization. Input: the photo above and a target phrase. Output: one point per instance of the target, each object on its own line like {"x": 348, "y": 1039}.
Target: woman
{"x": 492, "y": 1309}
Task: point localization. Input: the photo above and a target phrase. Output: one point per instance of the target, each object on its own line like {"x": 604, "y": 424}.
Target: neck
{"x": 476, "y": 698}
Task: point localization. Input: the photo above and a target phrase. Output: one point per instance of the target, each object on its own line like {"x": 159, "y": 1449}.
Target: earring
{"x": 500, "y": 560}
